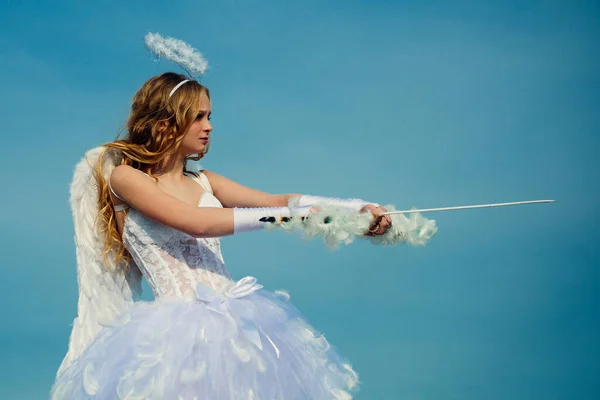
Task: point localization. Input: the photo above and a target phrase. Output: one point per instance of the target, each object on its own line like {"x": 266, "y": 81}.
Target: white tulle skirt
{"x": 245, "y": 344}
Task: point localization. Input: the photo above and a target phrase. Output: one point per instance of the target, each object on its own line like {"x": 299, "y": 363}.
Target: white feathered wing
{"x": 104, "y": 293}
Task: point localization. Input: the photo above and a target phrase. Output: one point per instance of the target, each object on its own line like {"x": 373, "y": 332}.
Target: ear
{"x": 162, "y": 126}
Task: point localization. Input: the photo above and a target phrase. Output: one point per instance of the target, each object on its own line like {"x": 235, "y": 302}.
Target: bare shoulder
{"x": 123, "y": 174}
{"x": 210, "y": 174}
{"x": 129, "y": 183}
{"x": 218, "y": 182}
{"x": 233, "y": 194}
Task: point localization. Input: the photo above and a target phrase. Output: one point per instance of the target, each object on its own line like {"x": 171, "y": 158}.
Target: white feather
{"x": 337, "y": 225}
{"x": 104, "y": 293}
{"x": 90, "y": 383}
{"x": 177, "y": 51}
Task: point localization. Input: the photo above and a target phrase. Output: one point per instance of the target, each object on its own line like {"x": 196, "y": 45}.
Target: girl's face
{"x": 197, "y": 137}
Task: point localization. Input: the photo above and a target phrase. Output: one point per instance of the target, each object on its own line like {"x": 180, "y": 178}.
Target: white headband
{"x": 177, "y": 87}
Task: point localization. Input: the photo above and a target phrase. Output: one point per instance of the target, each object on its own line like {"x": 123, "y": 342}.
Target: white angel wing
{"x": 103, "y": 293}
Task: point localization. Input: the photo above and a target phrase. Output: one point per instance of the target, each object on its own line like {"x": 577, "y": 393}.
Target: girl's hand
{"x": 382, "y": 222}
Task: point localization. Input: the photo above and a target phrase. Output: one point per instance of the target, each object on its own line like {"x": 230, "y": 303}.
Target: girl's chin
{"x": 196, "y": 150}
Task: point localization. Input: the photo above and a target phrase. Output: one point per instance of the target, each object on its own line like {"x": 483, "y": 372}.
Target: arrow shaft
{"x": 514, "y": 203}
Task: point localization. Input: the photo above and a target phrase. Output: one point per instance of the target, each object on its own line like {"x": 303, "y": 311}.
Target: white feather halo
{"x": 177, "y": 51}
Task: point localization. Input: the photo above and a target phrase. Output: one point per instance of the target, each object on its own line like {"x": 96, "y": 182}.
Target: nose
{"x": 208, "y": 127}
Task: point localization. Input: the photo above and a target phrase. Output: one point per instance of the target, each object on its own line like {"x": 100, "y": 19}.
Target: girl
{"x": 205, "y": 336}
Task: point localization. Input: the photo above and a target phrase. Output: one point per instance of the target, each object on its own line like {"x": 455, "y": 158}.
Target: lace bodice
{"x": 172, "y": 261}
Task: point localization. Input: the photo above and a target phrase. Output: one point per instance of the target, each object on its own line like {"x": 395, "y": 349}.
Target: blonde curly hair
{"x": 155, "y": 129}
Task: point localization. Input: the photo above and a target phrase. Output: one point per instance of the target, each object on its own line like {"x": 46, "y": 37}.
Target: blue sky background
{"x": 413, "y": 103}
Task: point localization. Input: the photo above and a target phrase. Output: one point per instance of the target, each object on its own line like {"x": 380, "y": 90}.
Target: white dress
{"x": 205, "y": 336}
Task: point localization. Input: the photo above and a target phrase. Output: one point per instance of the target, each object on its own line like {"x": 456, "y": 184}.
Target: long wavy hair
{"x": 154, "y": 131}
